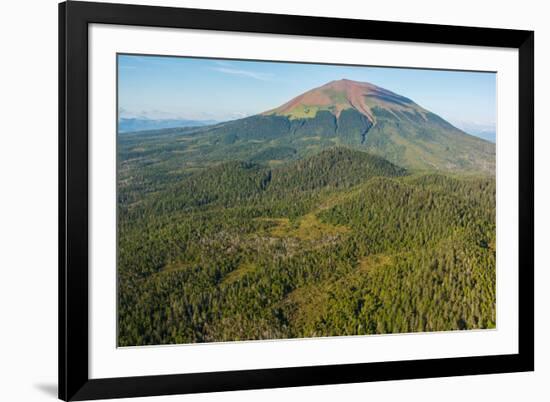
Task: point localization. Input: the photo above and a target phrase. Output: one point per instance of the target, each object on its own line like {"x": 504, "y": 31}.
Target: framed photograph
{"x": 257, "y": 201}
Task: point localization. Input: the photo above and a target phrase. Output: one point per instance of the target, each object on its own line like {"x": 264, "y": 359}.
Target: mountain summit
{"x": 344, "y": 94}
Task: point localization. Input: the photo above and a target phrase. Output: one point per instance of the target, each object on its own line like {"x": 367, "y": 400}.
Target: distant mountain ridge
{"x": 485, "y": 131}
{"x": 131, "y": 124}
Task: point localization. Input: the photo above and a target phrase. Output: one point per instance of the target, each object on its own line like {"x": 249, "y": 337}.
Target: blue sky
{"x": 212, "y": 89}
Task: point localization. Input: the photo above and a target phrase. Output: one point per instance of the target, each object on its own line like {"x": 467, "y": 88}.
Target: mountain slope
{"x": 229, "y": 183}
{"x": 333, "y": 168}
{"x": 359, "y": 115}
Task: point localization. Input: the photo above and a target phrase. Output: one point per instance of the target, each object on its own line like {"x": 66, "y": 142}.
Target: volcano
{"x": 347, "y": 113}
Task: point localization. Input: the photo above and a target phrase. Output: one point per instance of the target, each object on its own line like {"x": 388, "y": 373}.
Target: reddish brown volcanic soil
{"x": 341, "y": 94}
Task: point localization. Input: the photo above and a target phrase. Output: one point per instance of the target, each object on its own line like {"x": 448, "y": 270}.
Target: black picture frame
{"x": 74, "y": 381}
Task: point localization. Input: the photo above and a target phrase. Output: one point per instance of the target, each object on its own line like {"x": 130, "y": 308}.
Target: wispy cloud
{"x": 244, "y": 73}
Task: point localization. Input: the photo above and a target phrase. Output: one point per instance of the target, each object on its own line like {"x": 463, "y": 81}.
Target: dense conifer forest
{"x": 287, "y": 243}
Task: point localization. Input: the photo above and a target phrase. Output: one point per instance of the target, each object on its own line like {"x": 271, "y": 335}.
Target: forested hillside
{"x": 279, "y": 243}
